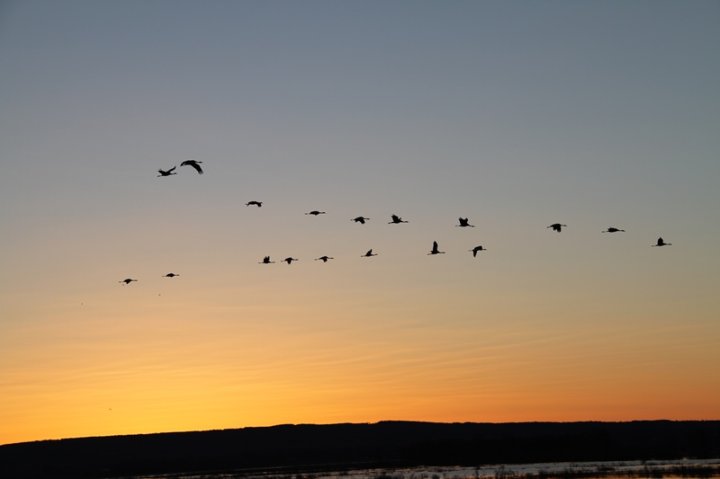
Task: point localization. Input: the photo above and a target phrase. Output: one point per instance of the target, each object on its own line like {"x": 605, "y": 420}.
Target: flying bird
{"x": 127, "y": 281}
{"x": 266, "y": 260}
{"x": 661, "y": 242}
{"x": 324, "y": 259}
{"x": 557, "y": 227}
{"x": 396, "y": 220}
{"x": 194, "y": 163}
{"x": 435, "y": 249}
{"x": 169, "y": 172}
{"x": 369, "y": 254}
{"x": 315, "y": 212}
{"x": 254, "y": 203}
{"x": 290, "y": 259}
{"x": 476, "y": 249}
{"x": 171, "y": 275}
{"x": 464, "y": 223}
{"x": 613, "y": 230}
{"x": 360, "y": 219}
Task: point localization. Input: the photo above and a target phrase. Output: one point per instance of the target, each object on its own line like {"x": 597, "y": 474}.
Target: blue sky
{"x": 516, "y": 114}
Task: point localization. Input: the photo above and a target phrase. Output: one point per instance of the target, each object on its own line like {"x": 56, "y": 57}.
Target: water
{"x": 685, "y": 469}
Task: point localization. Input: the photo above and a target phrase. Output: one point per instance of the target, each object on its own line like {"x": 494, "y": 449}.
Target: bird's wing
{"x": 194, "y": 164}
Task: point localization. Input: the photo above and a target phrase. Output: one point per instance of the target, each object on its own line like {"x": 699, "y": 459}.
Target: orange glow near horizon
{"x": 127, "y": 374}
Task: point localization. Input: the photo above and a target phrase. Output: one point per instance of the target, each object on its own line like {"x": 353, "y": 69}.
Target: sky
{"x": 514, "y": 114}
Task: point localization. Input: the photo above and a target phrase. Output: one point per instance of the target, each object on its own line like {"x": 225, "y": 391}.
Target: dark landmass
{"x": 303, "y": 448}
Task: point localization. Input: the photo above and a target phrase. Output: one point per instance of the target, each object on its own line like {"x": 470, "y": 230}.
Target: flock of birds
{"x": 394, "y": 219}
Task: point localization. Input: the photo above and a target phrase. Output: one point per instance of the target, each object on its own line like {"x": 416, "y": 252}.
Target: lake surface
{"x": 685, "y": 469}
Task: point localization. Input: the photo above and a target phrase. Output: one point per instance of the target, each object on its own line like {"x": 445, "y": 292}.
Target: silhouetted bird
{"x": 556, "y": 227}
{"x": 435, "y": 249}
{"x": 171, "y": 275}
{"x": 661, "y": 242}
{"x": 194, "y": 163}
{"x": 315, "y": 213}
{"x": 290, "y": 259}
{"x": 254, "y": 203}
{"x": 360, "y": 219}
{"x": 613, "y": 230}
{"x": 266, "y": 260}
{"x": 127, "y": 281}
{"x": 464, "y": 223}
{"x": 369, "y": 254}
{"x": 169, "y": 172}
{"x": 395, "y": 220}
{"x": 476, "y": 249}
{"x": 324, "y": 259}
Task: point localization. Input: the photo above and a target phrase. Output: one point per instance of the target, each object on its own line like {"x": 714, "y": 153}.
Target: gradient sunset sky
{"x": 516, "y": 114}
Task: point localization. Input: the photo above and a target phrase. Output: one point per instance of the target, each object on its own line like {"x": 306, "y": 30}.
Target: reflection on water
{"x": 679, "y": 469}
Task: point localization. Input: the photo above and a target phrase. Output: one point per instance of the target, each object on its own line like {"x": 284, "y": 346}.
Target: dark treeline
{"x": 295, "y": 448}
